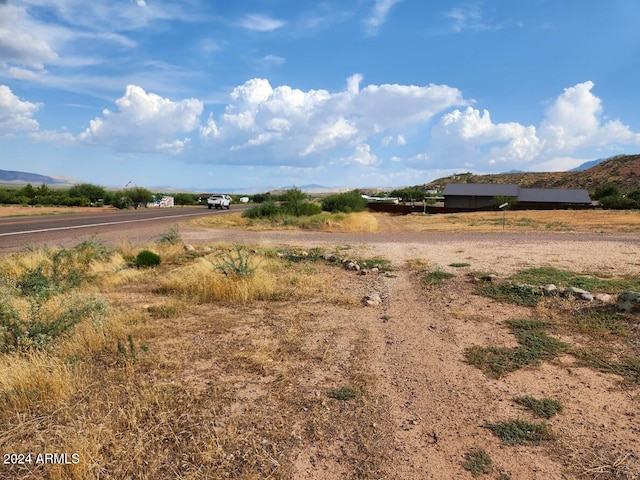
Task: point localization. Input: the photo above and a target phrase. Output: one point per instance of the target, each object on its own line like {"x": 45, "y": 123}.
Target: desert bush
{"x": 44, "y": 322}
{"x": 237, "y": 263}
{"x": 147, "y": 258}
{"x": 49, "y": 271}
{"x": 170, "y": 237}
{"x": 266, "y": 209}
{"x": 344, "y": 202}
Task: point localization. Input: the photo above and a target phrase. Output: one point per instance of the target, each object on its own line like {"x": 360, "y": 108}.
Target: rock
{"x": 372, "y": 300}
{"x": 490, "y": 278}
{"x": 352, "y": 266}
{"x": 189, "y": 248}
{"x": 603, "y": 297}
{"x": 577, "y": 291}
{"x": 549, "y": 289}
{"x": 375, "y": 270}
{"x": 629, "y": 301}
{"x": 330, "y": 257}
{"x": 586, "y": 296}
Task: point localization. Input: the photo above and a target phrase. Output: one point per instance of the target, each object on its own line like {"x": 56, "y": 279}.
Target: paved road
{"x": 134, "y": 226}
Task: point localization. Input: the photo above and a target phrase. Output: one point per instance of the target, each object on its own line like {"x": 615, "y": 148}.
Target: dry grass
{"x": 189, "y": 373}
{"x": 324, "y": 222}
{"x": 592, "y": 221}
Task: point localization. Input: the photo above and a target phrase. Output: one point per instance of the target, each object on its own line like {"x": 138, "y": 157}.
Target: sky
{"x": 260, "y": 94}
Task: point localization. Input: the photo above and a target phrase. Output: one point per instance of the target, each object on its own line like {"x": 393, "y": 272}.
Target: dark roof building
{"x": 476, "y": 195}
{"x": 483, "y": 195}
{"x": 553, "y": 195}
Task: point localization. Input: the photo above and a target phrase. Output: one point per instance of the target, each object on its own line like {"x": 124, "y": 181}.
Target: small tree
{"x": 88, "y": 190}
{"x": 292, "y": 201}
{"x": 139, "y": 196}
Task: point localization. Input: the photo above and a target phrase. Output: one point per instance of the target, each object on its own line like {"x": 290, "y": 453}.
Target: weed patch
{"x": 535, "y": 346}
{"x": 521, "y": 432}
{"x": 434, "y": 277}
{"x": 541, "y": 407}
{"x": 524, "y": 295}
{"x": 627, "y": 367}
{"x": 565, "y": 278}
{"x": 459, "y": 264}
{"x": 170, "y": 237}
{"x": 345, "y": 393}
{"x": 237, "y": 264}
{"x": 478, "y": 462}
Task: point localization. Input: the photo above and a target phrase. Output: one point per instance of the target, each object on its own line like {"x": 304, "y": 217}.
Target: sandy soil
{"x": 437, "y": 402}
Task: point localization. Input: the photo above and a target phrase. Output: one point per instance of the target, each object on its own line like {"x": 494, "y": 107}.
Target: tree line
{"x": 87, "y": 195}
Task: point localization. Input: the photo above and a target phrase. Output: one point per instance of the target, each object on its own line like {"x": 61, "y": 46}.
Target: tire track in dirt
{"x": 438, "y": 402}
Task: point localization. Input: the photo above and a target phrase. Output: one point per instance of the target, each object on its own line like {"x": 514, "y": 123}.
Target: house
{"x": 486, "y": 195}
{"x": 476, "y": 195}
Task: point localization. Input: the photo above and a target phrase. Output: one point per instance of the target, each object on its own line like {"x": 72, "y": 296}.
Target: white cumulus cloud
{"x": 16, "y": 115}
{"x": 572, "y": 123}
{"x": 145, "y": 122}
{"x": 301, "y": 128}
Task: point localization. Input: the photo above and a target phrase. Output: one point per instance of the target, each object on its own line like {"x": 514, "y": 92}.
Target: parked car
{"x": 219, "y": 201}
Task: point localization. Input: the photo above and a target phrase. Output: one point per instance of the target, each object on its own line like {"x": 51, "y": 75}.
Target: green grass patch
{"x": 459, "y": 264}
{"x": 435, "y": 277}
{"x": 478, "y": 462}
{"x": 565, "y": 278}
{"x": 541, "y": 407}
{"x": 535, "y": 346}
{"x": 600, "y": 321}
{"x": 523, "y": 295}
{"x": 344, "y": 393}
{"x": 521, "y": 432}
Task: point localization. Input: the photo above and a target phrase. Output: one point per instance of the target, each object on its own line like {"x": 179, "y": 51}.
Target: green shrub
{"x": 147, "y": 258}
{"x": 266, "y": 209}
{"x": 307, "y": 209}
{"x": 38, "y": 329}
{"x": 344, "y": 202}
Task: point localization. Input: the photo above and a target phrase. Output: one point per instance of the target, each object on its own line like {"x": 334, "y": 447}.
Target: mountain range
{"x": 621, "y": 170}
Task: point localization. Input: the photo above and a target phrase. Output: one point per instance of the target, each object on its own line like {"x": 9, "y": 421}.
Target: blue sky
{"x": 255, "y": 94}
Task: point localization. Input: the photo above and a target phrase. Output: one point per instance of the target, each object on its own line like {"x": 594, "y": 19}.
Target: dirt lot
{"x": 419, "y": 407}
{"x": 437, "y": 403}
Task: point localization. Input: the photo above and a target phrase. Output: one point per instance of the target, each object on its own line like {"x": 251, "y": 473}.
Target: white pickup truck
{"x": 219, "y": 201}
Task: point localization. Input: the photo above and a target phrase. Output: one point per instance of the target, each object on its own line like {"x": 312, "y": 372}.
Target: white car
{"x": 219, "y": 201}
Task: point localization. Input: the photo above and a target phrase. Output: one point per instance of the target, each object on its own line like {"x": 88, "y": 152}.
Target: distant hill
{"x": 587, "y": 165}
{"x": 22, "y": 178}
{"x": 622, "y": 170}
